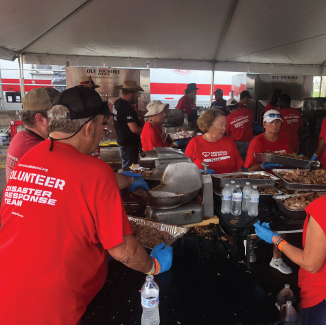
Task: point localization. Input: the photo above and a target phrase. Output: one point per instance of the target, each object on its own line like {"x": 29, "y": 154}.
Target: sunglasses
{"x": 275, "y": 115}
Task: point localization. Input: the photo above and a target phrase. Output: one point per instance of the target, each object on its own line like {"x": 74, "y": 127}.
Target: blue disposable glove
{"x": 264, "y": 232}
{"x": 163, "y": 256}
{"x": 314, "y": 157}
{"x": 267, "y": 165}
{"x": 138, "y": 183}
{"x": 131, "y": 174}
{"x": 209, "y": 171}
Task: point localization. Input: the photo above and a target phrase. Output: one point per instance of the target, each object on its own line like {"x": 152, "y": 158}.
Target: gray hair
{"x": 60, "y": 121}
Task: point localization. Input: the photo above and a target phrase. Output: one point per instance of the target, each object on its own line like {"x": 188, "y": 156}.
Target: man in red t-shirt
{"x": 292, "y": 122}
{"x": 187, "y": 103}
{"x": 35, "y": 120}
{"x": 239, "y": 126}
{"x": 61, "y": 216}
{"x": 244, "y": 99}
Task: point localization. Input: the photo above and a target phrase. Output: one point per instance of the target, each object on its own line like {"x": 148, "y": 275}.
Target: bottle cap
{"x": 254, "y": 186}
{"x": 287, "y": 286}
{"x": 247, "y": 183}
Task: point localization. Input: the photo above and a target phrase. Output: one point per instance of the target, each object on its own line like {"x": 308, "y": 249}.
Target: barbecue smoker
{"x": 182, "y": 198}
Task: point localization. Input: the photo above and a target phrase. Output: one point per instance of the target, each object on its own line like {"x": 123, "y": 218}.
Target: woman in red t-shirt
{"x": 152, "y": 134}
{"x": 213, "y": 147}
{"x": 311, "y": 259}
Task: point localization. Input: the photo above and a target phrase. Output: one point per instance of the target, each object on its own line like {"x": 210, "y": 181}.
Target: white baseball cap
{"x": 232, "y": 103}
{"x": 272, "y": 115}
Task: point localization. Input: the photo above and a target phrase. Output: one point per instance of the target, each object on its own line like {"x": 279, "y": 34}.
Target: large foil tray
{"x": 286, "y": 161}
{"x": 176, "y": 232}
{"x": 290, "y": 213}
{"x": 263, "y": 198}
{"x": 219, "y": 180}
{"x": 298, "y": 186}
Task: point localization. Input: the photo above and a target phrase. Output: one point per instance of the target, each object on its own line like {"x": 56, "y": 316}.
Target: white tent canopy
{"x": 257, "y": 36}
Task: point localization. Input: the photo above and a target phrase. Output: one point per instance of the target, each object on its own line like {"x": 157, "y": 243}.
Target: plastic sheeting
{"x": 256, "y": 36}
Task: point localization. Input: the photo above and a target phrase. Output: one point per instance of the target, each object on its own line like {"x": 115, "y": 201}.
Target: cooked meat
{"x": 148, "y": 236}
{"x": 141, "y": 192}
{"x": 145, "y": 173}
{"x": 287, "y": 155}
{"x": 304, "y": 176}
{"x": 302, "y": 201}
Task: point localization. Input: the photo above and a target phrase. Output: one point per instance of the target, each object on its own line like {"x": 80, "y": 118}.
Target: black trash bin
{"x": 10, "y": 96}
{"x": 17, "y": 96}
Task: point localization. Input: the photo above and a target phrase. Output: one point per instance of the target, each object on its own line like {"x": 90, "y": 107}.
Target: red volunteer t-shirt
{"x": 184, "y": 105}
{"x": 270, "y": 106}
{"x": 61, "y": 211}
{"x": 19, "y": 145}
{"x": 260, "y": 144}
{"x": 313, "y": 285}
{"x": 292, "y": 122}
{"x": 153, "y": 136}
{"x": 222, "y": 156}
{"x": 239, "y": 125}
{"x": 322, "y": 134}
{"x": 240, "y": 105}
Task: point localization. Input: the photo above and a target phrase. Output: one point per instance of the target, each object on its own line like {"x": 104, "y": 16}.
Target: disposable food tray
{"x": 286, "y": 161}
{"x": 175, "y": 232}
{"x": 263, "y": 198}
{"x": 290, "y": 213}
{"x": 298, "y": 186}
{"x": 219, "y": 180}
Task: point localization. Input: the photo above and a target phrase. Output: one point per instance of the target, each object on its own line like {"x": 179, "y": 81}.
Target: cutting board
{"x": 206, "y": 222}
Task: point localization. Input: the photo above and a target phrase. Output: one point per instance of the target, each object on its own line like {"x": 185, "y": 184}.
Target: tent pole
{"x": 212, "y": 84}
{"x": 21, "y": 75}
{"x": 321, "y": 77}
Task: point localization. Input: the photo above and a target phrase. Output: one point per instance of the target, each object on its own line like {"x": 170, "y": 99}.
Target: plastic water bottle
{"x": 290, "y": 315}
{"x": 286, "y": 294}
{"x": 236, "y": 201}
{"x": 232, "y": 186}
{"x": 253, "y": 202}
{"x": 149, "y": 301}
{"x": 226, "y": 199}
{"x": 245, "y": 196}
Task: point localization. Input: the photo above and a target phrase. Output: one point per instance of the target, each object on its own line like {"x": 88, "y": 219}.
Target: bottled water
{"x": 253, "y": 202}
{"x": 232, "y": 186}
{"x": 245, "y": 196}
{"x": 226, "y": 199}
{"x": 149, "y": 301}
{"x": 286, "y": 294}
{"x": 290, "y": 314}
{"x": 236, "y": 201}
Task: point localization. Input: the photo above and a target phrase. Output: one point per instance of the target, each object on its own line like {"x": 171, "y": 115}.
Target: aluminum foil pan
{"x": 219, "y": 180}
{"x": 175, "y": 232}
{"x": 286, "y": 161}
{"x": 298, "y": 186}
{"x": 292, "y": 214}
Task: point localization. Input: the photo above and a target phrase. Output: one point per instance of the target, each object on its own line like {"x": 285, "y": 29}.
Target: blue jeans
{"x": 129, "y": 156}
{"x": 315, "y": 315}
{"x": 242, "y": 148}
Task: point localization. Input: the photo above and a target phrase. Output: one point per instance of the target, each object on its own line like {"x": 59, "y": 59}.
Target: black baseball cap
{"x": 245, "y": 94}
{"x": 82, "y": 102}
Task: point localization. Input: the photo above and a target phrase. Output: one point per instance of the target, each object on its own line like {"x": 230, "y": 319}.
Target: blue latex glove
{"x": 264, "y": 232}
{"x": 138, "y": 183}
{"x": 164, "y": 256}
{"x": 209, "y": 171}
{"x": 131, "y": 174}
{"x": 314, "y": 157}
{"x": 267, "y": 165}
